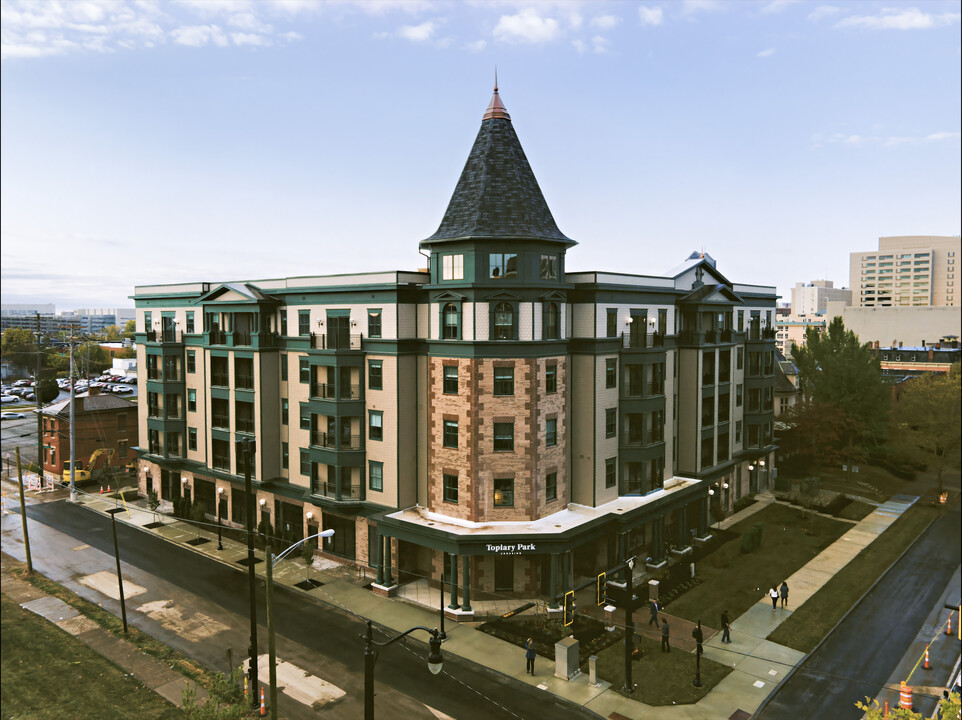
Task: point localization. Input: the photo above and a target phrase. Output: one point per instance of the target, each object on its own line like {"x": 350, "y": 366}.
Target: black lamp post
{"x": 120, "y": 578}
{"x": 247, "y": 449}
{"x": 370, "y": 657}
{"x": 629, "y": 624}
{"x": 220, "y": 542}
{"x": 699, "y": 636}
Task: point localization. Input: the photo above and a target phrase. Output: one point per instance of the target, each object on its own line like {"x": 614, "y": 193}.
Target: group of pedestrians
{"x": 779, "y": 592}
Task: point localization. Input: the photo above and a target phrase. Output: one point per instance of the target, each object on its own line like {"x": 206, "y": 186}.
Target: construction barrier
{"x": 5, "y": 510}
{"x": 246, "y": 692}
{"x": 905, "y": 697}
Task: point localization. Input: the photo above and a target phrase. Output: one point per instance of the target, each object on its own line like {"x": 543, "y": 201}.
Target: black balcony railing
{"x": 244, "y": 382}
{"x": 153, "y": 411}
{"x": 221, "y": 462}
{"x": 220, "y": 379}
{"x": 217, "y": 337}
{"x": 765, "y": 333}
{"x": 329, "y": 489}
{"x": 330, "y": 391}
{"x": 239, "y": 337}
{"x": 222, "y": 422}
{"x": 334, "y": 341}
{"x": 245, "y": 425}
{"x": 333, "y": 441}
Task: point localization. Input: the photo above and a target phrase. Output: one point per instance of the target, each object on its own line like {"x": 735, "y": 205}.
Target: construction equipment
{"x": 84, "y": 475}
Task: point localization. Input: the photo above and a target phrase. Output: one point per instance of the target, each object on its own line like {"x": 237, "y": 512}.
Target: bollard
{"x": 593, "y": 670}
{"x": 905, "y": 697}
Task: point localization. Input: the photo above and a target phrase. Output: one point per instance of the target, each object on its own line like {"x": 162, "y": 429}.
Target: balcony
{"x": 221, "y": 462}
{"x": 239, "y": 337}
{"x": 168, "y": 337}
{"x": 332, "y": 341}
{"x": 243, "y": 382}
{"x": 221, "y": 422}
{"x": 330, "y": 440}
{"x": 220, "y": 379}
{"x": 329, "y": 489}
{"x": 757, "y": 334}
{"x": 639, "y": 341}
{"x": 329, "y": 391}
{"x": 216, "y": 337}
{"x": 244, "y": 425}
{"x": 153, "y": 411}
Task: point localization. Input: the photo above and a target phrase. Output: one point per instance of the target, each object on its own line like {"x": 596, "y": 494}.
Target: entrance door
{"x": 343, "y": 541}
{"x": 338, "y": 332}
{"x": 504, "y": 574}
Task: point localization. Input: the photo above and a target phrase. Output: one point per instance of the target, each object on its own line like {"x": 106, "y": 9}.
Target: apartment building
{"x": 812, "y": 298}
{"x": 906, "y": 270}
{"x": 498, "y": 420}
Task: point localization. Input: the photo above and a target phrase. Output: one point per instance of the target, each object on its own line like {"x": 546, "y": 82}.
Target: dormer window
{"x": 549, "y": 267}
{"x": 452, "y": 267}
{"x": 503, "y": 265}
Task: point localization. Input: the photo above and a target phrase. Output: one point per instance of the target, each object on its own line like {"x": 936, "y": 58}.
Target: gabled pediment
{"x": 448, "y": 295}
{"x": 715, "y": 294}
{"x": 235, "y": 293}
{"x": 552, "y": 295}
{"x": 505, "y": 295}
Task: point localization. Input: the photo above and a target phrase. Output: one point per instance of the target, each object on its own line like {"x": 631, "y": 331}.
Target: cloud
{"x": 599, "y": 44}
{"x": 823, "y": 11}
{"x": 776, "y": 6}
{"x": 199, "y": 35}
{"x": 893, "y": 141}
{"x": 527, "y": 26}
{"x": 250, "y": 39}
{"x": 935, "y": 137}
{"x": 690, "y": 7}
{"x": 766, "y": 53}
{"x": 476, "y": 46}
{"x": 605, "y": 22}
{"x": 897, "y": 19}
{"x": 418, "y": 33}
{"x": 650, "y": 15}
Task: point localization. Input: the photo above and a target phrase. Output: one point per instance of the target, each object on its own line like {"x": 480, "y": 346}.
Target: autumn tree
{"x": 949, "y": 708}
{"x": 927, "y": 420}
{"x": 130, "y": 327}
{"x": 19, "y": 347}
{"x": 112, "y": 333}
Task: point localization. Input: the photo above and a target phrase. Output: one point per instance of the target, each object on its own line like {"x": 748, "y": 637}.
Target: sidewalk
{"x": 757, "y": 664}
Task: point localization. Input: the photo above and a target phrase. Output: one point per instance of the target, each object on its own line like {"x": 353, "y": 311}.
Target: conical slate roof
{"x": 497, "y": 195}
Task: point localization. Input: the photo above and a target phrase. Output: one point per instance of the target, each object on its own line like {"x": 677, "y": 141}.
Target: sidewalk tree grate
{"x": 198, "y": 541}
{"x": 154, "y": 525}
{"x": 245, "y": 562}
{"x": 308, "y": 584}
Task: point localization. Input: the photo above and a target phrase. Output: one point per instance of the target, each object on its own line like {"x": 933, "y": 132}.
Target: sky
{"x": 148, "y": 142}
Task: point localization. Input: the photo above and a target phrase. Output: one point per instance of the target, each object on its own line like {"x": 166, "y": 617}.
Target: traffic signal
{"x": 569, "y": 608}
{"x": 600, "y": 594}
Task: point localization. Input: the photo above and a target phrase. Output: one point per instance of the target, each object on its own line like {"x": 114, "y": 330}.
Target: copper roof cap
{"x": 495, "y": 107}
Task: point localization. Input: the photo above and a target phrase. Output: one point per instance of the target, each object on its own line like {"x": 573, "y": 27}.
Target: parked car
{"x": 9, "y": 399}
{"x": 12, "y": 416}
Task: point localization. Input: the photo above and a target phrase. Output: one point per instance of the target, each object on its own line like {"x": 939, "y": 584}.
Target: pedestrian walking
{"x": 653, "y": 609}
{"x": 783, "y": 591}
{"x": 726, "y": 628}
{"x": 529, "y": 656}
{"x": 665, "y": 645}
{"x": 773, "y": 594}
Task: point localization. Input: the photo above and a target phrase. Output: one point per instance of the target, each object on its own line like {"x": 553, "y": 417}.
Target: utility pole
{"x": 249, "y": 497}
{"x": 36, "y": 391}
{"x": 73, "y": 434}
{"x": 23, "y": 514}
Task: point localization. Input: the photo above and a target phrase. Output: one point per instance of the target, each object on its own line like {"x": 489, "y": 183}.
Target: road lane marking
{"x": 106, "y": 582}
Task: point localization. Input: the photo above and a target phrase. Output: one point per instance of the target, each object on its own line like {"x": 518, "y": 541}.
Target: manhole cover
{"x": 154, "y": 525}
{"x": 246, "y": 562}
{"x": 308, "y": 584}
{"x": 198, "y": 541}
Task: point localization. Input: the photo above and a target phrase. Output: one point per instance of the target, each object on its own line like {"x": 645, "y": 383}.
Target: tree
{"x": 820, "y": 435}
{"x": 130, "y": 327}
{"x": 19, "y": 347}
{"x": 835, "y": 368}
{"x": 112, "y": 333}
{"x": 948, "y": 709}
{"x": 927, "y": 420}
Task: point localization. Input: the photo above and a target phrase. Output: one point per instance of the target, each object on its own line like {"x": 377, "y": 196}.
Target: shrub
{"x": 153, "y": 502}
{"x": 744, "y": 502}
{"x": 752, "y": 539}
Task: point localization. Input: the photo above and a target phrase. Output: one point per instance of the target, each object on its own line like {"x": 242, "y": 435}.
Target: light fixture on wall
{"x": 725, "y": 485}
{"x": 320, "y": 323}
{"x": 628, "y": 321}
{"x": 183, "y": 481}
{"x": 711, "y": 491}
{"x": 262, "y": 502}
{"x": 310, "y": 515}
{"x": 353, "y": 323}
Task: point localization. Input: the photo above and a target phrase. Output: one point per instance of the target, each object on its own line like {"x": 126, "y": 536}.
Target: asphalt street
{"x": 860, "y": 656}
{"x": 322, "y": 640}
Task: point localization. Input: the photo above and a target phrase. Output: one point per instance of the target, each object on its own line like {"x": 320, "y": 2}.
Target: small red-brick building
{"x": 102, "y": 422}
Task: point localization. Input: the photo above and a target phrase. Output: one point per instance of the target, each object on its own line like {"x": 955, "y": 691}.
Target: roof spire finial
{"x": 496, "y": 108}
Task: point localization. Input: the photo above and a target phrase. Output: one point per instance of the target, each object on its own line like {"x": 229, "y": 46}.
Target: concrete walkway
{"x": 758, "y": 664}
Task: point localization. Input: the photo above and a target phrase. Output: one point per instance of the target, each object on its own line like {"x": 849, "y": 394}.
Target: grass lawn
{"x": 812, "y": 621}
{"x": 662, "y": 678}
{"x": 46, "y": 673}
{"x": 736, "y": 581}
{"x": 856, "y": 510}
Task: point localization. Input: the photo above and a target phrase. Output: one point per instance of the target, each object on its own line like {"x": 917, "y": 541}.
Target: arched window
{"x": 451, "y": 319}
{"x": 552, "y": 321}
{"x": 503, "y": 321}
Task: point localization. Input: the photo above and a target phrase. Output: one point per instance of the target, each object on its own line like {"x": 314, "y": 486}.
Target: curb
{"x": 848, "y": 612}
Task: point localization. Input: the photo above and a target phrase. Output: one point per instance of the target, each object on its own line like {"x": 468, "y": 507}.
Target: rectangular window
{"x": 739, "y": 358}
{"x": 283, "y": 323}
{"x": 375, "y": 475}
{"x": 611, "y": 472}
{"x": 452, "y": 267}
{"x": 503, "y": 492}
{"x": 191, "y": 438}
{"x": 551, "y": 378}
{"x": 192, "y": 401}
{"x": 285, "y": 455}
{"x": 741, "y": 321}
{"x": 612, "y": 323}
{"x": 375, "y": 425}
{"x": 501, "y": 265}
{"x": 303, "y": 370}
{"x": 284, "y": 412}
{"x": 305, "y": 463}
{"x": 504, "y": 381}
{"x": 450, "y": 488}
{"x": 549, "y": 267}
{"x": 450, "y": 434}
{"x": 191, "y": 361}
{"x": 611, "y": 373}
{"x": 189, "y": 325}
{"x": 551, "y": 486}
{"x": 374, "y": 323}
{"x": 303, "y": 322}
{"x": 451, "y": 322}
{"x": 551, "y": 432}
{"x": 283, "y": 368}
{"x": 611, "y": 422}
{"x": 738, "y": 395}
{"x": 305, "y": 419}
{"x": 375, "y": 375}
{"x": 451, "y": 379}
{"x": 504, "y": 437}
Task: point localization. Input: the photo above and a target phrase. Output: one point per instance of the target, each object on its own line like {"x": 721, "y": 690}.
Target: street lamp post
{"x": 247, "y": 449}
{"x": 699, "y": 637}
{"x": 220, "y": 541}
{"x": 120, "y": 578}
{"x": 629, "y": 624}
{"x": 370, "y": 657}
